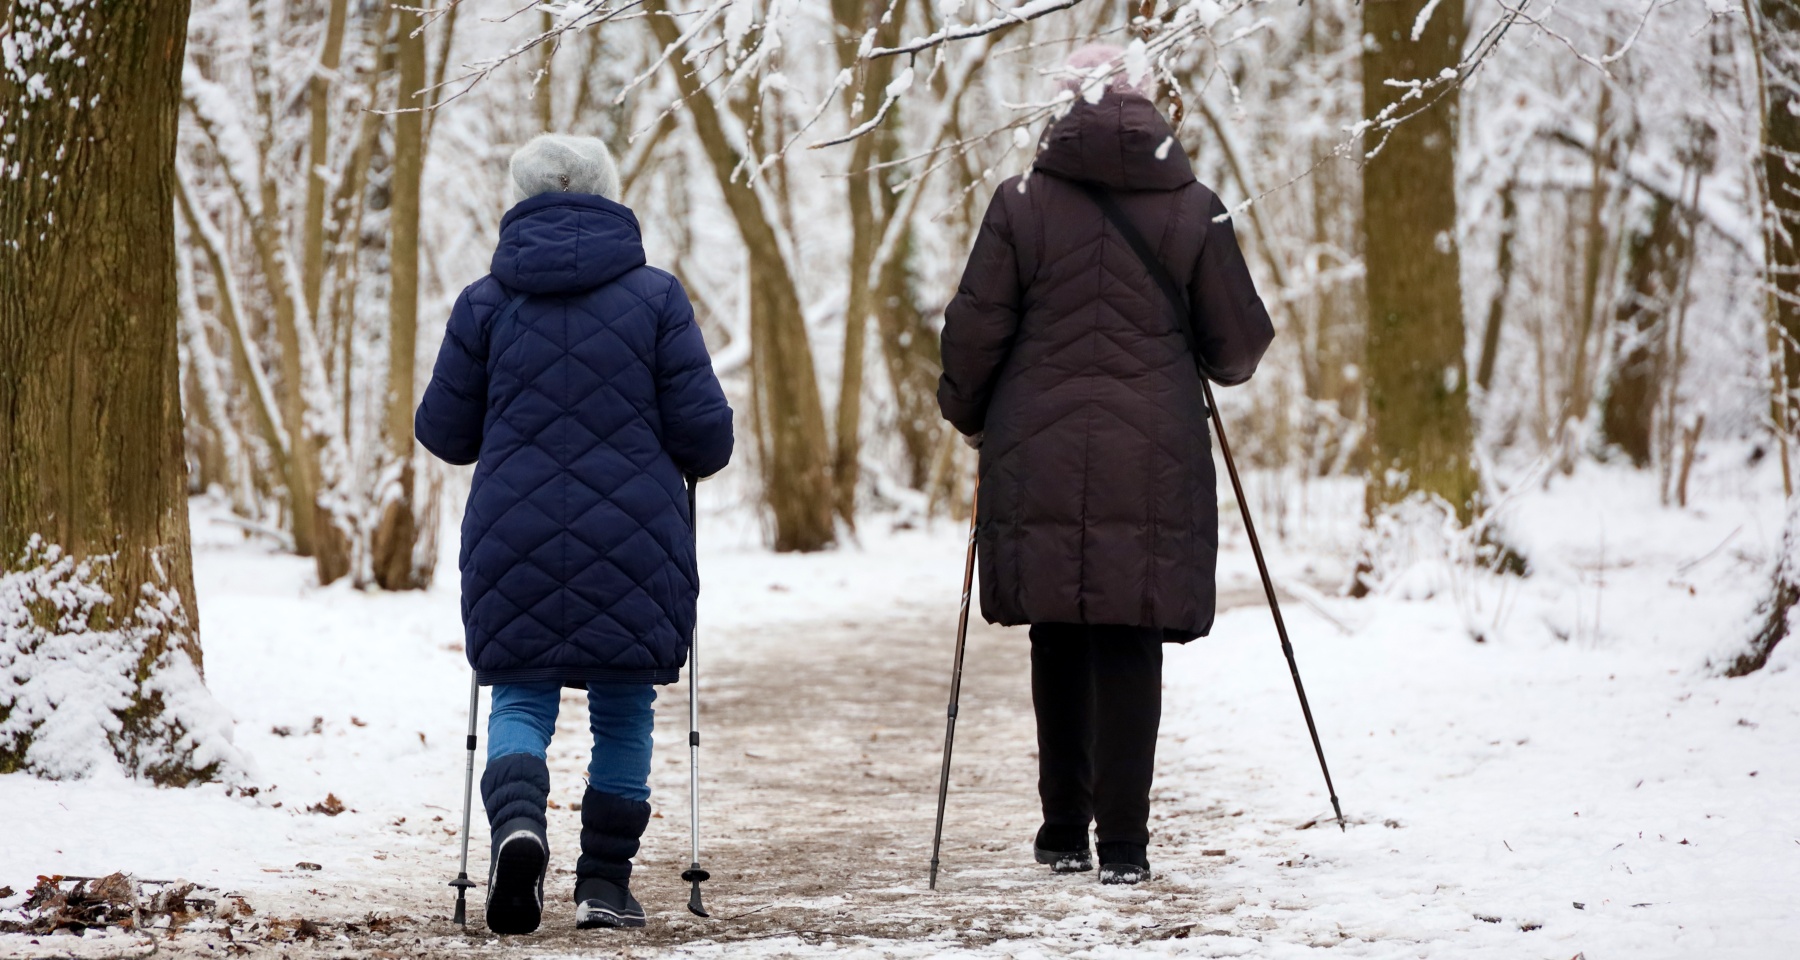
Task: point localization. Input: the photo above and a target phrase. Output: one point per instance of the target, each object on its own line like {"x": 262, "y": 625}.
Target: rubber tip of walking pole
{"x": 695, "y": 875}
{"x": 461, "y": 918}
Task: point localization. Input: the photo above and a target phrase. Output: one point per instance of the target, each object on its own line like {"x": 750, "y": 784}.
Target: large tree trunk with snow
{"x": 1418, "y": 394}
{"x": 408, "y": 515}
{"x": 96, "y": 587}
{"x": 796, "y": 469}
{"x": 1777, "y": 39}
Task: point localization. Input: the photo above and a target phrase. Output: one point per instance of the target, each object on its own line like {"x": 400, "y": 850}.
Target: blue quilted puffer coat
{"x": 582, "y": 408}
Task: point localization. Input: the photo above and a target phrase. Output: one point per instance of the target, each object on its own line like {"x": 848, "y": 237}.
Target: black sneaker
{"x": 515, "y": 898}
{"x": 1124, "y": 863}
{"x": 1065, "y": 849}
{"x": 601, "y": 903}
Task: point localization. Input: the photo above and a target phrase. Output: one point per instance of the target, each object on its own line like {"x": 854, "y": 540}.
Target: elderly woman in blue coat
{"x": 575, "y": 379}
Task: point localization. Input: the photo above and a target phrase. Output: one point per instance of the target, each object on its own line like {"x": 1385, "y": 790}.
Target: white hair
{"x": 554, "y": 163}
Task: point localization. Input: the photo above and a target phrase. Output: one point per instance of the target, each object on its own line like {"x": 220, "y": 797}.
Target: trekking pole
{"x": 694, "y": 874}
{"x": 956, "y": 672}
{"x": 1262, "y": 566}
{"x": 462, "y": 883}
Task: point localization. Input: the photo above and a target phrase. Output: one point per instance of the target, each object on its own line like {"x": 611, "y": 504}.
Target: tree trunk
{"x": 1780, "y": 45}
{"x": 1418, "y": 392}
{"x": 541, "y": 92}
{"x": 265, "y": 233}
{"x": 396, "y": 563}
{"x": 1593, "y": 264}
{"x": 1503, "y": 270}
{"x": 349, "y": 204}
{"x": 318, "y": 94}
{"x": 1654, "y": 257}
{"x": 96, "y": 591}
{"x": 796, "y": 475}
{"x": 856, "y": 17}
{"x": 909, "y": 349}
{"x": 1776, "y": 35}
{"x": 243, "y": 349}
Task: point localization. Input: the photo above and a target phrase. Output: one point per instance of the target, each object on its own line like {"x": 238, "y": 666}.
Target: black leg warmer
{"x": 611, "y": 827}
{"x": 515, "y": 790}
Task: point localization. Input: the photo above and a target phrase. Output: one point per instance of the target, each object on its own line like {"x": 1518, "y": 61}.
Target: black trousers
{"x": 1098, "y": 694}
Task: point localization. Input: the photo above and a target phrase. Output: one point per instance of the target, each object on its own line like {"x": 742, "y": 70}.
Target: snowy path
{"x": 1603, "y": 795}
{"x": 821, "y": 776}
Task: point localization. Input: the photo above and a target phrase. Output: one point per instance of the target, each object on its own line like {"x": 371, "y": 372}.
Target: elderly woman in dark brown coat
{"x": 1065, "y": 363}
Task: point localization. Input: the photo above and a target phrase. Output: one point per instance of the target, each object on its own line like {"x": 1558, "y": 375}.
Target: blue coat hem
{"x": 577, "y": 677}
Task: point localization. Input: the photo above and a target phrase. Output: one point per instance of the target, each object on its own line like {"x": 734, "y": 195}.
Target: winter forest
{"x": 1522, "y": 461}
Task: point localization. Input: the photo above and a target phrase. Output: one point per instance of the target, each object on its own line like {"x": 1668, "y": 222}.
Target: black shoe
{"x": 514, "y": 790}
{"x": 515, "y": 898}
{"x": 1065, "y": 849}
{"x": 1124, "y": 863}
{"x": 603, "y": 903}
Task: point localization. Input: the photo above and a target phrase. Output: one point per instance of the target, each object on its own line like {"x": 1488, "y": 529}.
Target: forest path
{"x": 822, "y": 744}
{"x": 820, "y": 761}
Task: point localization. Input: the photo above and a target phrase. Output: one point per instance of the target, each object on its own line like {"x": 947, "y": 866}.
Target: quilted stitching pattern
{"x": 583, "y": 410}
{"x": 1098, "y": 496}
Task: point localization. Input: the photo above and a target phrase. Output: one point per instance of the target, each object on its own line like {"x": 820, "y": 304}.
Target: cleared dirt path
{"x": 820, "y": 757}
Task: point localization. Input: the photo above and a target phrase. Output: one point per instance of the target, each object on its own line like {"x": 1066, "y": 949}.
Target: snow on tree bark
{"x": 1776, "y": 34}
{"x": 99, "y": 651}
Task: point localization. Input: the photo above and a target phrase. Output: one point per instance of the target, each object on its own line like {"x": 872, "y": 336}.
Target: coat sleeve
{"x": 981, "y": 322}
{"x": 451, "y": 413}
{"x": 696, "y": 418}
{"x": 1230, "y": 322}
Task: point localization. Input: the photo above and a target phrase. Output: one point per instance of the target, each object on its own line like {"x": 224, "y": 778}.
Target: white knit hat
{"x": 553, "y": 163}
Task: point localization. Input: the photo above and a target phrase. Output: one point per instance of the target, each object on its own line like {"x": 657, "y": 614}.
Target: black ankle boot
{"x": 1123, "y": 862}
{"x": 1065, "y": 849}
{"x": 514, "y": 790}
{"x": 610, "y": 829}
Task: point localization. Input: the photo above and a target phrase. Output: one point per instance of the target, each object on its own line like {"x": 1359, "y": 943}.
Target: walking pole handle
{"x": 1262, "y": 566}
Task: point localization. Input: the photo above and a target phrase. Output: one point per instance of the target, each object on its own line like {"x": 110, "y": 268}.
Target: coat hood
{"x": 1120, "y": 143}
{"x": 561, "y": 243}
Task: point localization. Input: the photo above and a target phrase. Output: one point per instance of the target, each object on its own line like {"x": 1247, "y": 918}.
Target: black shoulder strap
{"x": 1177, "y": 297}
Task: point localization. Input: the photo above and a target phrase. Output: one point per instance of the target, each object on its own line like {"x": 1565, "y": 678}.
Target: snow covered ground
{"x": 1578, "y": 782}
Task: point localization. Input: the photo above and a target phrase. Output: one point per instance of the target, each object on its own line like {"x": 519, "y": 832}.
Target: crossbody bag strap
{"x": 506, "y": 312}
{"x": 1177, "y": 297}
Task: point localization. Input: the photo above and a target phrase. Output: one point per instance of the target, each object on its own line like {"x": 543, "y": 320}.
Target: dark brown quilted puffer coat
{"x": 1097, "y": 486}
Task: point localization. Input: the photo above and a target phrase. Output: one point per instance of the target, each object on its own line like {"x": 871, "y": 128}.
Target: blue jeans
{"x": 620, "y": 716}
